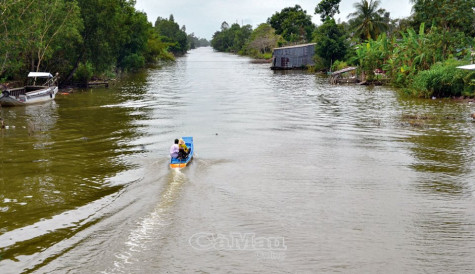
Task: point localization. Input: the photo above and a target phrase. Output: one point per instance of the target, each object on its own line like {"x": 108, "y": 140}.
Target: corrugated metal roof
{"x": 296, "y": 46}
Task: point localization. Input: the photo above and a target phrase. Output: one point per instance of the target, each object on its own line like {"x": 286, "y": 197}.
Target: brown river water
{"x": 290, "y": 175}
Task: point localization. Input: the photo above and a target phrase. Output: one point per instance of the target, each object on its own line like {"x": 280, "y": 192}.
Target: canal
{"x": 290, "y": 175}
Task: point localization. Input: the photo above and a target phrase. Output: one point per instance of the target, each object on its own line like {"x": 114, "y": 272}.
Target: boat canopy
{"x": 470, "y": 67}
{"x": 40, "y": 74}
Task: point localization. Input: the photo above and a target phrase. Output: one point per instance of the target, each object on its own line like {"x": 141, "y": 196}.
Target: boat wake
{"x": 150, "y": 228}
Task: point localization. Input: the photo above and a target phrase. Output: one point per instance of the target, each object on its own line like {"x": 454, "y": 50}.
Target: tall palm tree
{"x": 369, "y": 20}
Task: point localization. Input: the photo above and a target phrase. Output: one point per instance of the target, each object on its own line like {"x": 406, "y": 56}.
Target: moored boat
{"x": 180, "y": 163}
{"x": 31, "y": 94}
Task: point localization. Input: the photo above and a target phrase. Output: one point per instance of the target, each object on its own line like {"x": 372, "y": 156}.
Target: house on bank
{"x": 293, "y": 57}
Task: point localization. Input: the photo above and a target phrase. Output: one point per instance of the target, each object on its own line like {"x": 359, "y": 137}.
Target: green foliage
{"x": 231, "y": 39}
{"x": 195, "y": 42}
{"x": 368, "y": 21}
{"x": 373, "y": 55}
{"x": 31, "y": 32}
{"x": 339, "y": 65}
{"x": 170, "y": 32}
{"x": 418, "y": 51}
{"x": 444, "y": 80}
{"x": 331, "y": 42}
{"x": 84, "y": 72}
{"x": 157, "y": 50}
{"x": 414, "y": 52}
{"x": 60, "y": 35}
{"x": 133, "y": 61}
{"x": 449, "y": 15}
{"x": 103, "y": 33}
{"x": 262, "y": 41}
{"x": 327, "y": 9}
{"x": 132, "y": 53}
{"x": 320, "y": 64}
{"x": 293, "y": 24}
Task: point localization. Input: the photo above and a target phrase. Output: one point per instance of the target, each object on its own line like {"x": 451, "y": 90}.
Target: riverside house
{"x": 293, "y": 57}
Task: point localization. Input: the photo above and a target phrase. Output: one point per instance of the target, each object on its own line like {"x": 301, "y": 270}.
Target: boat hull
{"x": 176, "y": 163}
{"x": 12, "y": 98}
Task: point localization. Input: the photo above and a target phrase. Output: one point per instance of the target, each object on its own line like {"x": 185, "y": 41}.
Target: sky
{"x": 204, "y": 17}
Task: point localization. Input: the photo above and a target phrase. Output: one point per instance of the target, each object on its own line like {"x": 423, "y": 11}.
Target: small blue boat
{"x": 177, "y": 163}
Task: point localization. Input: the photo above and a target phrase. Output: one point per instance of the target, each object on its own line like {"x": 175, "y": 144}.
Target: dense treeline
{"x": 81, "y": 38}
{"x": 418, "y": 53}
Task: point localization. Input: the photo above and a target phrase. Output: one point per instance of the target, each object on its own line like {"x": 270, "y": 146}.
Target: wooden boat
{"x": 177, "y": 163}
{"x": 31, "y": 94}
{"x": 346, "y": 75}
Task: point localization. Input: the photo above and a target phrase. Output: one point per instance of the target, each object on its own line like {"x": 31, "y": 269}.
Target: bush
{"x": 320, "y": 64}
{"x": 338, "y": 65}
{"x": 84, "y": 72}
{"x": 133, "y": 62}
{"x": 444, "y": 80}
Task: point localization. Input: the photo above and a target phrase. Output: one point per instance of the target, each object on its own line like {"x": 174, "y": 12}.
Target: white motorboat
{"x": 31, "y": 94}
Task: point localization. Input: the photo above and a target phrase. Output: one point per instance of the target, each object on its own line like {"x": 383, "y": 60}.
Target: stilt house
{"x": 293, "y": 57}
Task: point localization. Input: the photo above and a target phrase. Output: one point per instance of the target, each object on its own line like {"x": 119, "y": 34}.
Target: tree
{"x": 171, "y": 33}
{"x": 293, "y": 24}
{"x": 224, "y": 26}
{"x": 64, "y": 35}
{"x": 372, "y": 55}
{"x": 57, "y": 22}
{"x": 450, "y": 15}
{"x": 368, "y": 20}
{"x": 331, "y": 41}
{"x": 196, "y": 42}
{"x": 204, "y": 43}
{"x": 231, "y": 39}
{"x": 157, "y": 49}
{"x": 31, "y": 32}
{"x": 327, "y": 9}
{"x": 132, "y": 53}
{"x": 262, "y": 40}
{"x": 13, "y": 35}
{"x": 103, "y": 34}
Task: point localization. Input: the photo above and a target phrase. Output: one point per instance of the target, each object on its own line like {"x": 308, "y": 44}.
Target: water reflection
{"x": 442, "y": 148}
{"x": 61, "y": 156}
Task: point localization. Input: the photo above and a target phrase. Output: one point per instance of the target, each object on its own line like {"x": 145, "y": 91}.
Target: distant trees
{"x": 171, "y": 33}
{"x": 195, "y": 42}
{"x": 293, "y": 24}
{"x": 231, "y": 39}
